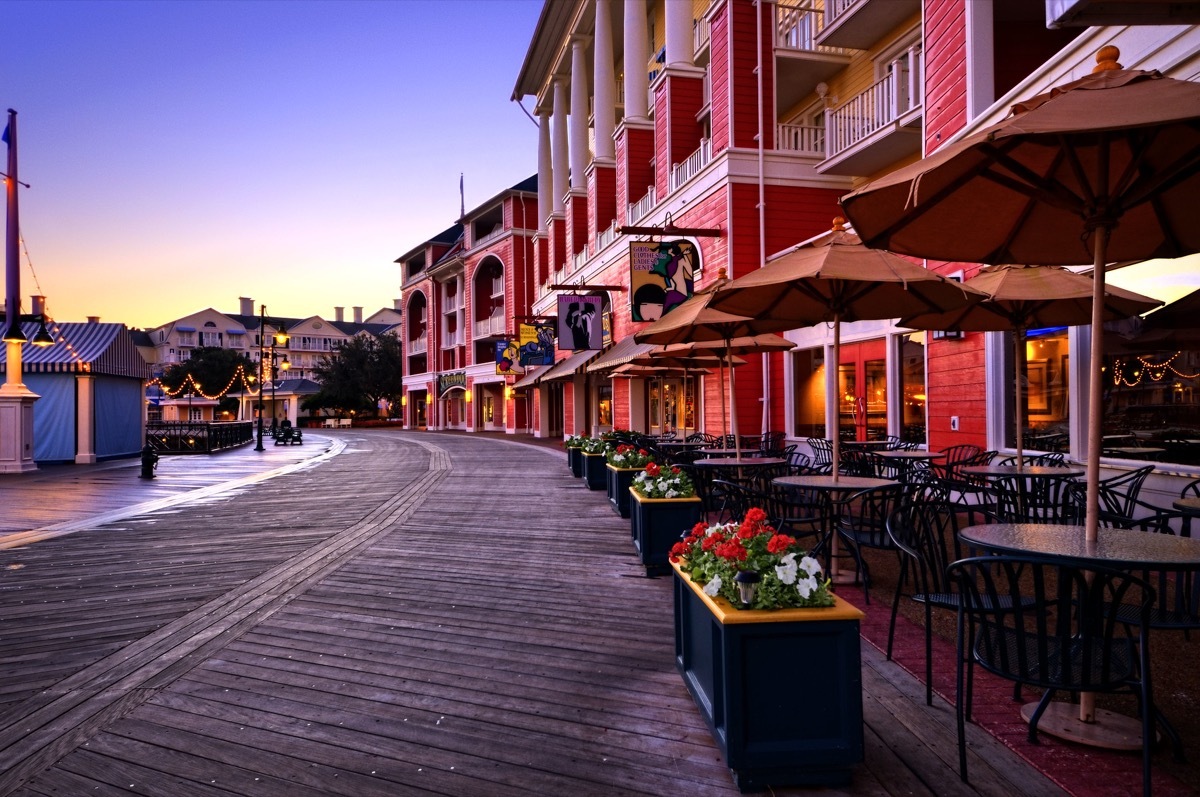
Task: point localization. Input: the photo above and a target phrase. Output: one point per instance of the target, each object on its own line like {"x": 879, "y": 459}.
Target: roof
{"x": 446, "y": 236}
{"x": 101, "y": 349}
{"x": 546, "y": 43}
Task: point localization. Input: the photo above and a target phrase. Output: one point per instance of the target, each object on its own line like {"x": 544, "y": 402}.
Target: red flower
{"x": 755, "y": 515}
{"x": 652, "y": 470}
{"x": 641, "y": 452}
{"x": 678, "y": 550}
{"x": 711, "y": 541}
{"x": 780, "y": 543}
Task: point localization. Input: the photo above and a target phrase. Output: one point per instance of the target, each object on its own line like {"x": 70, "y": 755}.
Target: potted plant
{"x": 594, "y": 451}
{"x": 574, "y": 446}
{"x": 624, "y": 462}
{"x": 748, "y": 601}
{"x": 663, "y": 506}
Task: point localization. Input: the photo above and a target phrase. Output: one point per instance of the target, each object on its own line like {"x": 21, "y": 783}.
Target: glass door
{"x": 862, "y": 391}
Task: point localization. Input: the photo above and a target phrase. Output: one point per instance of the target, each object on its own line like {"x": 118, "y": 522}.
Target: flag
{"x": 4, "y": 137}
{"x": 462, "y": 199}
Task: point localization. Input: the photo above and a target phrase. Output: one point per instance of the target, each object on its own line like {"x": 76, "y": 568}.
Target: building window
{"x": 808, "y": 370}
{"x": 912, "y": 387}
{"x": 604, "y": 416}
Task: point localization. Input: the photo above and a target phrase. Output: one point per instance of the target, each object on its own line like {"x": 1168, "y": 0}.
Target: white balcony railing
{"x": 889, "y": 98}
{"x": 682, "y": 172}
{"x": 579, "y": 259}
{"x": 802, "y": 139}
{"x": 452, "y": 339}
{"x": 451, "y": 304}
{"x": 418, "y": 345}
{"x": 606, "y": 237}
{"x": 835, "y": 8}
{"x": 700, "y": 35}
{"x": 642, "y": 206}
{"x": 490, "y": 326}
{"x": 797, "y": 25}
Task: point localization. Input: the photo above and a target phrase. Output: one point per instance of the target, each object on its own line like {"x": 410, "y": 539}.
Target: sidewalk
{"x": 60, "y": 499}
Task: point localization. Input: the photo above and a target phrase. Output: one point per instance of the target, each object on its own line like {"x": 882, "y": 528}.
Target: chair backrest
{"x": 866, "y": 513}
{"x": 1048, "y": 624}
{"x": 731, "y": 501}
{"x": 799, "y": 462}
{"x": 927, "y": 532}
{"x": 822, "y": 451}
{"x": 1020, "y": 499}
{"x": 1119, "y": 494}
{"x": 954, "y": 457}
{"x": 1190, "y": 489}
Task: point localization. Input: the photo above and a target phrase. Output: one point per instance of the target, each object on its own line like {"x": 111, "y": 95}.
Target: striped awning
{"x": 565, "y": 369}
{"x": 530, "y": 378}
{"x": 103, "y": 349}
{"x": 625, "y": 350}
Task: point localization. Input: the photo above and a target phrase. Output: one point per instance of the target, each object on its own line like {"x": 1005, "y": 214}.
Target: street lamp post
{"x": 279, "y": 338}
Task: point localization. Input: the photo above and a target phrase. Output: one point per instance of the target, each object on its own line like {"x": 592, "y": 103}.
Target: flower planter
{"x": 656, "y": 524}
{"x": 575, "y": 462}
{"x": 619, "y": 480}
{"x": 781, "y": 690}
{"x": 594, "y": 471}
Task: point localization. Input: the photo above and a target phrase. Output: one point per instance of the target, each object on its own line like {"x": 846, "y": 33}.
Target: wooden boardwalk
{"x": 421, "y": 614}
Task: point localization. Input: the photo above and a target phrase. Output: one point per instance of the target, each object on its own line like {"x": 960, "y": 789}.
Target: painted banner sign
{"x": 536, "y": 343}
{"x": 579, "y": 323}
{"x": 661, "y": 276}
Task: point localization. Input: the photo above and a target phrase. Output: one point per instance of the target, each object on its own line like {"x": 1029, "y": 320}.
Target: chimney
{"x": 39, "y": 304}
{"x": 93, "y": 319}
{"x": 338, "y": 313}
{"x": 396, "y": 305}
{"x": 357, "y": 315}
{"x": 247, "y": 305}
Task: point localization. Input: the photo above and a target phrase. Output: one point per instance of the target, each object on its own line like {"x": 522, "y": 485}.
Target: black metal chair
{"x": 1044, "y": 624}
{"x": 803, "y": 514}
{"x": 926, "y": 534}
{"x": 1020, "y": 499}
{"x": 863, "y": 524}
{"x": 954, "y": 457}
{"x": 822, "y": 454}
{"x": 799, "y": 463}
{"x": 731, "y": 501}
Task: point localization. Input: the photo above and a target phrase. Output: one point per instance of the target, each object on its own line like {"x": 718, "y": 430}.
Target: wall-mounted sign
{"x": 661, "y": 276}
{"x": 508, "y": 356}
{"x": 536, "y": 343}
{"x": 579, "y": 323}
{"x": 456, "y": 380}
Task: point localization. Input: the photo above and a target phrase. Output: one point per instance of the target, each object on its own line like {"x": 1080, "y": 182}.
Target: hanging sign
{"x": 579, "y": 322}
{"x": 661, "y": 276}
{"x": 536, "y": 342}
{"x": 508, "y": 355}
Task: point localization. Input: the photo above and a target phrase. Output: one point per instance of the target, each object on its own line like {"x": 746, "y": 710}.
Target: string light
{"x": 1155, "y": 371}
{"x": 247, "y": 381}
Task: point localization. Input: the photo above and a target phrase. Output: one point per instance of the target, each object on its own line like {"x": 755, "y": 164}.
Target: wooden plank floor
{"x": 421, "y": 614}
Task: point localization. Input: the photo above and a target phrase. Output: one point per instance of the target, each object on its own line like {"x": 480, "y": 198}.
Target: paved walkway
{"x": 231, "y": 620}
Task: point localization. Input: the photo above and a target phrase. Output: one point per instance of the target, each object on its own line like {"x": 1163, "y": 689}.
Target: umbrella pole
{"x": 733, "y": 420}
{"x": 1019, "y": 420}
{"x": 837, "y": 410}
{"x": 724, "y": 413}
{"x": 1095, "y": 388}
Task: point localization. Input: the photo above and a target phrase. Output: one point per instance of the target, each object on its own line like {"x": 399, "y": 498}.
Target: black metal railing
{"x": 198, "y": 437}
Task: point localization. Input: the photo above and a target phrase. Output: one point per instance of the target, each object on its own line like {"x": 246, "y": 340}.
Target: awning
{"x": 624, "y": 351}
{"x": 530, "y": 378}
{"x": 565, "y": 369}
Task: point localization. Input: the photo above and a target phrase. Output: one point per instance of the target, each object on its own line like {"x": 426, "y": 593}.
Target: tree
{"x": 211, "y": 367}
{"x": 359, "y": 375}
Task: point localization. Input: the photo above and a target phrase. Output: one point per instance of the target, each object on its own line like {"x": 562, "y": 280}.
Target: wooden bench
{"x": 330, "y": 423}
{"x": 344, "y": 423}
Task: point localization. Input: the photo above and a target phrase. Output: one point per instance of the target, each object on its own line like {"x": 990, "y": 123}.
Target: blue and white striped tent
{"x": 107, "y": 354}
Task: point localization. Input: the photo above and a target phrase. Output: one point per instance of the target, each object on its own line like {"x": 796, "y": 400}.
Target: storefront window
{"x": 604, "y": 405}
{"x": 1045, "y": 385}
{"x": 912, "y": 388}
{"x": 808, "y": 368}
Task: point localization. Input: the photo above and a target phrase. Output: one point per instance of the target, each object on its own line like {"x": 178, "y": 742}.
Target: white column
{"x": 559, "y": 146}
{"x": 637, "y": 53}
{"x": 579, "y": 113}
{"x": 545, "y": 170}
{"x": 606, "y": 87}
{"x": 679, "y": 34}
{"x": 85, "y": 419}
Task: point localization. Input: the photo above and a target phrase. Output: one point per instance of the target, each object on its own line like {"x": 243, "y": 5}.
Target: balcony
{"x": 419, "y": 345}
{"x": 801, "y": 139}
{"x": 860, "y": 24}
{"x": 579, "y": 259}
{"x": 605, "y": 237}
{"x": 700, "y": 37}
{"x": 801, "y": 62}
{"x": 643, "y": 206}
{"x": 682, "y": 172}
{"x": 489, "y": 327}
{"x": 877, "y": 127}
{"x": 452, "y": 339}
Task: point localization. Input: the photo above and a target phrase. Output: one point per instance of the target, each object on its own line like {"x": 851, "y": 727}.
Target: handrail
{"x": 797, "y": 25}
{"x": 806, "y": 139}
{"x": 197, "y": 437}
{"x": 643, "y": 206}
{"x": 691, "y": 166}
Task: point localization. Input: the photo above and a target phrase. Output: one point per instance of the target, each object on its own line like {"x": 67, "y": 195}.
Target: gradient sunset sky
{"x": 183, "y": 154}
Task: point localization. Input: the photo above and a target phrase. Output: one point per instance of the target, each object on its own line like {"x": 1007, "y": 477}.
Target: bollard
{"x": 149, "y": 462}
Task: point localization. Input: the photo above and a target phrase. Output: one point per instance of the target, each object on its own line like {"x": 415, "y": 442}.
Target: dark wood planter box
{"x": 656, "y": 524}
{"x": 575, "y": 462}
{"x": 797, "y": 726}
{"x": 619, "y": 480}
{"x": 595, "y": 471}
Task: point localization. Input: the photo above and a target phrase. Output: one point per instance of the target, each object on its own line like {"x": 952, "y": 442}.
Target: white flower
{"x": 672, "y": 493}
{"x": 712, "y": 588}
{"x": 806, "y": 586}
{"x": 786, "y": 569}
{"x": 810, "y": 566}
